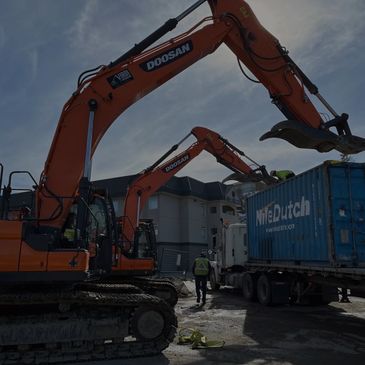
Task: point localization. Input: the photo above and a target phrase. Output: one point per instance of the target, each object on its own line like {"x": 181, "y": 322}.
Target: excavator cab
{"x": 144, "y": 240}
{"x": 144, "y": 245}
{"x": 99, "y": 235}
{"x": 38, "y": 253}
{"x": 18, "y": 206}
{"x": 138, "y": 254}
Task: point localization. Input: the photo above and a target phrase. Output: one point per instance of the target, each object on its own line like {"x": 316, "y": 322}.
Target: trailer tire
{"x": 249, "y": 287}
{"x": 264, "y": 294}
{"x": 213, "y": 281}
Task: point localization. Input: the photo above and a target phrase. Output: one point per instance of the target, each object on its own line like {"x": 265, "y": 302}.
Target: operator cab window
{"x": 98, "y": 221}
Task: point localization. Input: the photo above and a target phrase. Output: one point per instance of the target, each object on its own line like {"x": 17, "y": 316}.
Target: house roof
{"x": 183, "y": 186}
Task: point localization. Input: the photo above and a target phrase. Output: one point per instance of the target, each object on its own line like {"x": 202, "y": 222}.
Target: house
{"x": 188, "y": 215}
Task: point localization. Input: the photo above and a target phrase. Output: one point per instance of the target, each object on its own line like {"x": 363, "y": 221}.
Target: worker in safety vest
{"x": 70, "y": 229}
{"x": 201, "y": 271}
{"x": 282, "y": 175}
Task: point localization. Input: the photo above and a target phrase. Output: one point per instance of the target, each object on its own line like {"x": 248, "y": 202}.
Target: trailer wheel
{"x": 264, "y": 290}
{"x": 249, "y": 287}
{"x": 213, "y": 281}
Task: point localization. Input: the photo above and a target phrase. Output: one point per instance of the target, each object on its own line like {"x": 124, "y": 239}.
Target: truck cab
{"x": 230, "y": 257}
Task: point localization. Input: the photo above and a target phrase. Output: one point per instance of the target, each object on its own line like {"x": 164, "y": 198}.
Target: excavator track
{"x": 102, "y": 322}
{"x": 161, "y": 288}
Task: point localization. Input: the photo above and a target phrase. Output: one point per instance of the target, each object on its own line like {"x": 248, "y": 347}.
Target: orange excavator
{"x": 47, "y": 308}
{"x": 139, "y": 258}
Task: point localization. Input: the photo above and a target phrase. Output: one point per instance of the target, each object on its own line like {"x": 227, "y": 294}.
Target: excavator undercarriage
{"x": 85, "y": 322}
{"x": 161, "y": 288}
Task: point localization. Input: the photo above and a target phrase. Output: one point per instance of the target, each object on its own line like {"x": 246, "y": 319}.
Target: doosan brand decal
{"x": 175, "y": 164}
{"x": 168, "y": 57}
{"x": 276, "y": 213}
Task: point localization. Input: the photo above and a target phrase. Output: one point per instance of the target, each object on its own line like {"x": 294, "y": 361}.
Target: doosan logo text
{"x": 167, "y": 57}
{"x": 176, "y": 163}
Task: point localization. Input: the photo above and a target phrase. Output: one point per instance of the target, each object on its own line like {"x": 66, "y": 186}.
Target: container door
{"x": 347, "y": 183}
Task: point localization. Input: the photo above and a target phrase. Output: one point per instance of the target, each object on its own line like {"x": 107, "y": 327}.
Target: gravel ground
{"x": 254, "y": 334}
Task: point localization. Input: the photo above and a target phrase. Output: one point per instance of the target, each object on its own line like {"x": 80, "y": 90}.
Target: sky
{"x": 46, "y": 44}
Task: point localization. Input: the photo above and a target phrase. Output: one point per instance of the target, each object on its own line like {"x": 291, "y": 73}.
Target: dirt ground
{"x": 258, "y": 335}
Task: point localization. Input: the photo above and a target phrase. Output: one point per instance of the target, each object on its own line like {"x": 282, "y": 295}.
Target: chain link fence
{"x": 172, "y": 262}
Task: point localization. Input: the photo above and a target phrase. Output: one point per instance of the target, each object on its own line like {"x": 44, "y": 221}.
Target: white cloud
{"x": 81, "y": 34}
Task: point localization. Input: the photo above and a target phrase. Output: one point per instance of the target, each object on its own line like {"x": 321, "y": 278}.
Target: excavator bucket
{"x": 237, "y": 177}
{"x": 302, "y": 136}
{"x": 257, "y": 177}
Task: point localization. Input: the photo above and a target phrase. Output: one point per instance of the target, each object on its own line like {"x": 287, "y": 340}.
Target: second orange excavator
{"x": 139, "y": 258}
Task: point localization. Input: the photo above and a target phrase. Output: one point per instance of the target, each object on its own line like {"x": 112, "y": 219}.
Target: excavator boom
{"x": 155, "y": 176}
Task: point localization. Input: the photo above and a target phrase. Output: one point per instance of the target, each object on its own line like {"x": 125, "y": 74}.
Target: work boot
{"x": 204, "y": 301}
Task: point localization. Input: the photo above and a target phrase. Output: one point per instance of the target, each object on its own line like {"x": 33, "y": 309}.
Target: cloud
{"x": 2, "y": 37}
{"x": 313, "y": 30}
{"x": 324, "y": 37}
{"x": 33, "y": 60}
{"x": 80, "y": 32}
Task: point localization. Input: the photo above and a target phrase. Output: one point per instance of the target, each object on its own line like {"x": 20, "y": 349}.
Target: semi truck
{"x": 302, "y": 240}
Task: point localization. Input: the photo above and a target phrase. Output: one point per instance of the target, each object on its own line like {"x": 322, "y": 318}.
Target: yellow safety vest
{"x": 283, "y": 174}
{"x": 69, "y": 234}
{"x": 201, "y": 267}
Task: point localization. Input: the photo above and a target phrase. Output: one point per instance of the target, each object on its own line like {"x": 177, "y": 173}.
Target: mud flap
{"x": 303, "y": 136}
{"x": 279, "y": 291}
{"x": 329, "y": 294}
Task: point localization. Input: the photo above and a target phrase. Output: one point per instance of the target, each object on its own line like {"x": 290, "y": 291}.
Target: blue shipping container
{"x": 315, "y": 218}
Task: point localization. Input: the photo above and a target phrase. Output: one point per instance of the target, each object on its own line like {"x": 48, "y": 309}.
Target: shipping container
{"x": 315, "y": 218}
{"x": 304, "y": 238}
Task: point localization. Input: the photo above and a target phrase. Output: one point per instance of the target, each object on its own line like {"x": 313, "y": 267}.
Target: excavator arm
{"x": 105, "y": 92}
{"x": 151, "y": 179}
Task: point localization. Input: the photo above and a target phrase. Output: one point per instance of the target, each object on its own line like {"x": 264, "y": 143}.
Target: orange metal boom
{"x": 105, "y": 92}
{"x": 151, "y": 179}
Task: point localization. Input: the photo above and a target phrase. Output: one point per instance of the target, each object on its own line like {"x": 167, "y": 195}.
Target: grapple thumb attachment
{"x": 256, "y": 176}
{"x": 322, "y": 140}
{"x": 237, "y": 177}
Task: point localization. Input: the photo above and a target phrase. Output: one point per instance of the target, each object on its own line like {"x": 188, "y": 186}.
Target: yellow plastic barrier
{"x": 197, "y": 339}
